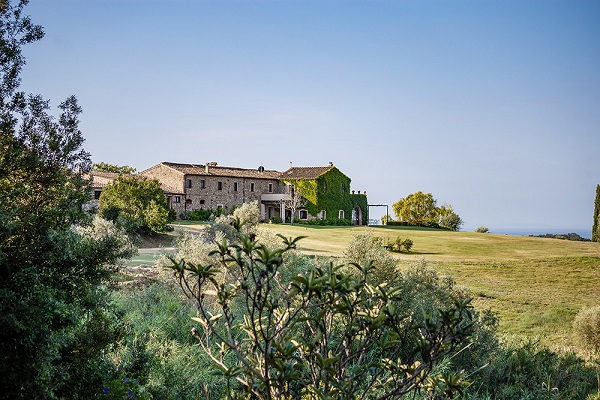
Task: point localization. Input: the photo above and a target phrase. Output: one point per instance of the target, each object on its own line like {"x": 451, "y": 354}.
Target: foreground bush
{"x": 156, "y": 357}
{"x": 327, "y": 333}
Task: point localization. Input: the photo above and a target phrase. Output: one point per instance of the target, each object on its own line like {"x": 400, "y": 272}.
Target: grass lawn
{"x": 535, "y": 285}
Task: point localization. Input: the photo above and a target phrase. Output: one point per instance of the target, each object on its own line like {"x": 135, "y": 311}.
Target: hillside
{"x": 536, "y": 285}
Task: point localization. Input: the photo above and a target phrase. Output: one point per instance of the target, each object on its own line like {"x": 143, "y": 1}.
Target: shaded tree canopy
{"x": 137, "y": 203}
{"x": 118, "y": 169}
{"x": 51, "y": 259}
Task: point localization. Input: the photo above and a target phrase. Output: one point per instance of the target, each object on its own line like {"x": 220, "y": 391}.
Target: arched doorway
{"x": 357, "y": 216}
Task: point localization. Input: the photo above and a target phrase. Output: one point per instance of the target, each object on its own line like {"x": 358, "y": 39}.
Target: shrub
{"x": 587, "y": 328}
{"x": 153, "y": 359}
{"x": 365, "y": 247}
{"x": 136, "y": 203}
{"x": 451, "y": 221}
{"x": 330, "y": 222}
{"x": 200, "y": 214}
{"x": 482, "y": 229}
{"x": 400, "y": 245}
{"x": 525, "y": 370}
{"x": 276, "y": 220}
{"x": 325, "y": 334}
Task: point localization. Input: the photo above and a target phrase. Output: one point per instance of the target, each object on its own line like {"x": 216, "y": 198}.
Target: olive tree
{"x": 325, "y": 333}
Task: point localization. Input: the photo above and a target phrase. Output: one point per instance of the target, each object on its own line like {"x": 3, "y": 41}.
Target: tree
{"x": 596, "y": 226}
{"x": 327, "y": 333}
{"x": 52, "y": 305}
{"x": 448, "y": 219}
{"x": 117, "y": 169}
{"x": 421, "y": 209}
{"x": 137, "y": 203}
{"x": 417, "y": 209}
{"x": 294, "y": 202}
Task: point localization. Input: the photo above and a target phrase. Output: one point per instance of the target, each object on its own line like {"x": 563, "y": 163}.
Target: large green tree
{"x": 53, "y": 324}
{"x": 421, "y": 209}
{"x": 417, "y": 208}
{"x": 136, "y": 202}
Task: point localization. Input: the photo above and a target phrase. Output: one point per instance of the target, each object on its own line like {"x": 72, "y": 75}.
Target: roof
{"x": 217, "y": 170}
{"x": 304, "y": 172}
{"x": 101, "y": 179}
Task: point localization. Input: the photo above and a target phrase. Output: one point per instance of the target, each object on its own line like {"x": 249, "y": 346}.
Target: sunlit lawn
{"x": 535, "y": 285}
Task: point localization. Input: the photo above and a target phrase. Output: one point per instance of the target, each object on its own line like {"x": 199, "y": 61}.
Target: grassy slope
{"x": 535, "y": 285}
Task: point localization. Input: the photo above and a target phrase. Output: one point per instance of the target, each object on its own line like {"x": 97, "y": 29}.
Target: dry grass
{"x": 535, "y": 285}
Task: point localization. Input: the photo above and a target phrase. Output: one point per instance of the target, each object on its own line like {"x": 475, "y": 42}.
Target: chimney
{"x": 206, "y": 168}
{"x": 330, "y": 164}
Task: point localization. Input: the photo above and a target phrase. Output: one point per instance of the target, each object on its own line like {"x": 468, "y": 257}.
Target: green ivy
{"x": 326, "y": 193}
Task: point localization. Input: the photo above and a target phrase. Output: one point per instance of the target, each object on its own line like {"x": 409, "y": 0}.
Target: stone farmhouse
{"x": 188, "y": 187}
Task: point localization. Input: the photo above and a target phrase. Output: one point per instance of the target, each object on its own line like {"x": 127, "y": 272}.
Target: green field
{"x": 535, "y": 285}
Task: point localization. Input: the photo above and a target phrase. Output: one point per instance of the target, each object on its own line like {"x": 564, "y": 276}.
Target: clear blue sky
{"x": 492, "y": 106}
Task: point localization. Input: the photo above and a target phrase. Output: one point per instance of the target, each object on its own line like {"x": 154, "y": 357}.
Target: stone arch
{"x": 357, "y": 218}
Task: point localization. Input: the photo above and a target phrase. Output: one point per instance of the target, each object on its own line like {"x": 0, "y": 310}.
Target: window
{"x": 188, "y": 183}
{"x": 202, "y": 184}
{"x": 220, "y": 209}
{"x": 303, "y": 214}
{"x": 177, "y": 199}
{"x": 323, "y": 214}
{"x": 341, "y": 214}
{"x": 235, "y": 187}
{"x": 270, "y": 188}
{"x": 201, "y": 201}
{"x": 97, "y": 194}
{"x": 252, "y": 187}
{"x": 324, "y": 187}
{"x": 343, "y": 188}
{"x": 219, "y": 185}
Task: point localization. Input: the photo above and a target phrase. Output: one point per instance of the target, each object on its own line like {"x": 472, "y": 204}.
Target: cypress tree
{"x": 596, "y": 226}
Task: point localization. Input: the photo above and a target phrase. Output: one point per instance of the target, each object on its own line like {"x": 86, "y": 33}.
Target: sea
{"x": 585, "y": 233}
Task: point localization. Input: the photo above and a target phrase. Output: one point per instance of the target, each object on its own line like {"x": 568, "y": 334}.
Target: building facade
{"x": 325, "y": 190}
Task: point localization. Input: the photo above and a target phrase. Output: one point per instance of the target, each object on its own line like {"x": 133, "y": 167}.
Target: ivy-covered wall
{"x": 330, "y": 192}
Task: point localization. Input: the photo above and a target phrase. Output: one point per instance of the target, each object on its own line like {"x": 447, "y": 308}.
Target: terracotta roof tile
{"x": 217, "y": 170}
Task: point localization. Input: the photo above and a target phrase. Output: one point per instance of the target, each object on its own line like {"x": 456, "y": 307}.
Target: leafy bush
{"x": 400, "y": 245}
{"x": 524, "y": 370}
{"x": 326, "y": 334}
{"x": 330, "y": 222}
{"x": 156, "y": 354}
{"x": 276, "y": 220}
{"x": 482, "y": 229}
{"x": 364, "y": 248}
{"x": 586, "y": 327}
{"x": 201, "y": 214}
{"x": 451, "y": 221}
{"x": 136, "y": 203}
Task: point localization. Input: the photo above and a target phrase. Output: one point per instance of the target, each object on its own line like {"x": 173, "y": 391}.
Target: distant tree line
{"x": 565, "y": 236}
